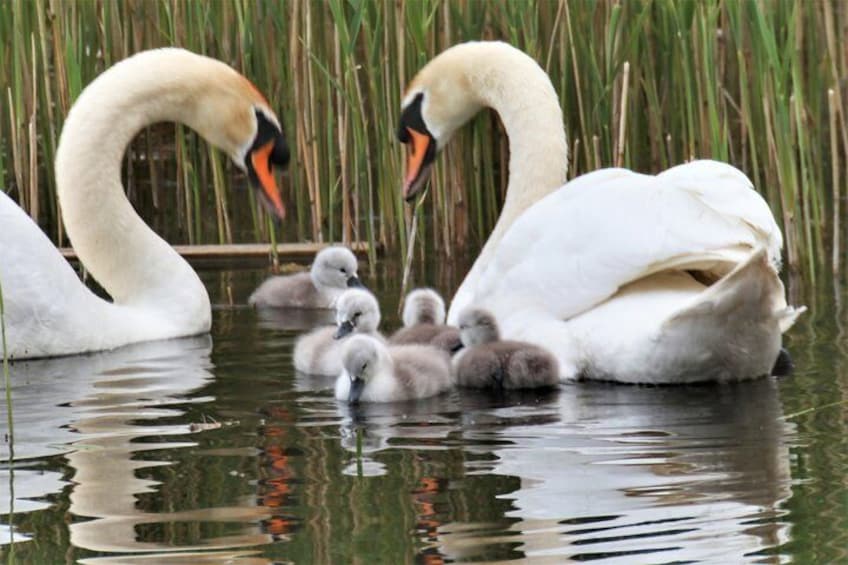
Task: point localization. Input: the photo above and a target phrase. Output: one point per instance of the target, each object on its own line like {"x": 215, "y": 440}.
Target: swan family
{"x": 615, "y": 275}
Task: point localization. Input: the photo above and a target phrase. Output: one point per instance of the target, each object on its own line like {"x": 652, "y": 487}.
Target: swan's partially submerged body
{"x": 637, "y": 277}
{"x": 43, "y": 296}
{"x": 626, "y": 277}
{"x": 155, "y": 293}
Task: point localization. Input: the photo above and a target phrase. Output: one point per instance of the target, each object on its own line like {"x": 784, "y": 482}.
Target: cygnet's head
{"x": 423, "y": 306}
{"x": 357, "y": 311}
{"x": 477, "y": 326}
{"x": 335, "y": 267}
{"x": 361, "y": 358}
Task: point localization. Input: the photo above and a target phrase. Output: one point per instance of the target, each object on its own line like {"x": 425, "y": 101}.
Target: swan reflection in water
{"x": 634, "y": 470}
{"x": 584, "y": 471}
{"x": 603, "y": 471}
{"x": 93, "y": 409}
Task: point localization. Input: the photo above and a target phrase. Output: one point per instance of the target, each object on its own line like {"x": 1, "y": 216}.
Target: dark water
{"x": 212, "y": 449}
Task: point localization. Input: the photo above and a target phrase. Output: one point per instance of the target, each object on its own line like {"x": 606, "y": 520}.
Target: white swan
{"x": 627, "y": 277}
{"x": 156, "y": 294}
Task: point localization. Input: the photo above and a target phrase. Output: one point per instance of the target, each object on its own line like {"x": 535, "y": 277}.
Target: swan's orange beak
{"x": 260, "y": 159}
{"x": 418, "y": 163}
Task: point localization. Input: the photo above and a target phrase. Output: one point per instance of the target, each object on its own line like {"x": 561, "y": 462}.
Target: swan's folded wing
{"x": 38, "y": 283}
{"x": 579, "y": 245}
{"x": 728, "y": 192}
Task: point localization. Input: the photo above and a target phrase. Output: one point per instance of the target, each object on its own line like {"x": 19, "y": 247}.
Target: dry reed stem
{"x": 622, "y": 123}
{"x": 834, "y": 165}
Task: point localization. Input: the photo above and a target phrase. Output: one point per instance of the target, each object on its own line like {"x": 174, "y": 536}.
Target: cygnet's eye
{"x": 343, "y": 270}
{"x": 364, "y": 365}
{"x": 356, "y": 315}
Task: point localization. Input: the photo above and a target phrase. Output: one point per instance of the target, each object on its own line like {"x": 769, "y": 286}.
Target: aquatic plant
{"x": 644, "y": 84}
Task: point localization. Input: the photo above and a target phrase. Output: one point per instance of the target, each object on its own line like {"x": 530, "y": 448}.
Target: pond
{"x": 213, "y": 449}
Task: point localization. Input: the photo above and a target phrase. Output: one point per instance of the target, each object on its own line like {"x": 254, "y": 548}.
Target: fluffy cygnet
{"x": 333, "y": 270}
{"x": 424, "y": 322}
{"x": 319, "y": 352}
{"x": 373, "y": 372}
{"x": 487, "y": 362}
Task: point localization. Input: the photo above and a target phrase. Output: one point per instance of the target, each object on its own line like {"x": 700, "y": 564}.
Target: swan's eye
{"x": 356, "y": 315}
{"x": 364, "y": 366}
{"x": 410, "y": 117}
{"x": 343, "y": 270}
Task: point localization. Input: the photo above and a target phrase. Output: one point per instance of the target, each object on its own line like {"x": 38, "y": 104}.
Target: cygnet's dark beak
{"x": 354, "y": 282}
{"x": 356, "y": 387}
{"x": 345, "y": 328}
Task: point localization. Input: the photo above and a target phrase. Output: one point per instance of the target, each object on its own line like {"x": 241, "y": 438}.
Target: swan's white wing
{"x": 723, "y": 188}
{"x": 39, "y": 286}
{"x": 579, "y": 245}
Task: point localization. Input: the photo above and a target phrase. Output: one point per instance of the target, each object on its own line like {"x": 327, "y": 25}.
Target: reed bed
{"x": 644, "y": 84}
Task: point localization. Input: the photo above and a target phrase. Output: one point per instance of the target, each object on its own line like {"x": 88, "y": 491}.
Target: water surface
{"x": 212, "y": 449}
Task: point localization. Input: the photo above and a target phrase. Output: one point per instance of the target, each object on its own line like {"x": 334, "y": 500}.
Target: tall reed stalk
{"x": 6, "y": 380}
{"x": 10, "y": 434}
{"x": 645, "y": 83}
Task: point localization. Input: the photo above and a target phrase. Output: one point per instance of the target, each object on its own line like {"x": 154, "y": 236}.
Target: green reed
{"x": 736, "y": 80}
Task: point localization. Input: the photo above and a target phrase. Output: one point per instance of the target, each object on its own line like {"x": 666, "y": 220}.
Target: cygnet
{"x": 424, "y": 322}
{"x": 487, "y": 362}
{"x": 319, "y": 351}
{"x": 333, "y": 271}
{"x": 373, "y": 372}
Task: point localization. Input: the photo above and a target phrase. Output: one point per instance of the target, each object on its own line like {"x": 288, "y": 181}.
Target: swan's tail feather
{"x": 786, "y": 318}
{"x": 753, "y": 290}
{"x": 738, "y": 321}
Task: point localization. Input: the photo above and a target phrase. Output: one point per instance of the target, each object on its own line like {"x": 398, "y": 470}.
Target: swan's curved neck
{"x": 519, "y": 90}
{"x": 133, "y": 264}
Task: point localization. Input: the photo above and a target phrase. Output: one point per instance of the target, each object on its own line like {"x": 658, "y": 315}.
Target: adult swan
{"x": 156, "y": 294}
{"x": 623, "y": 276}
